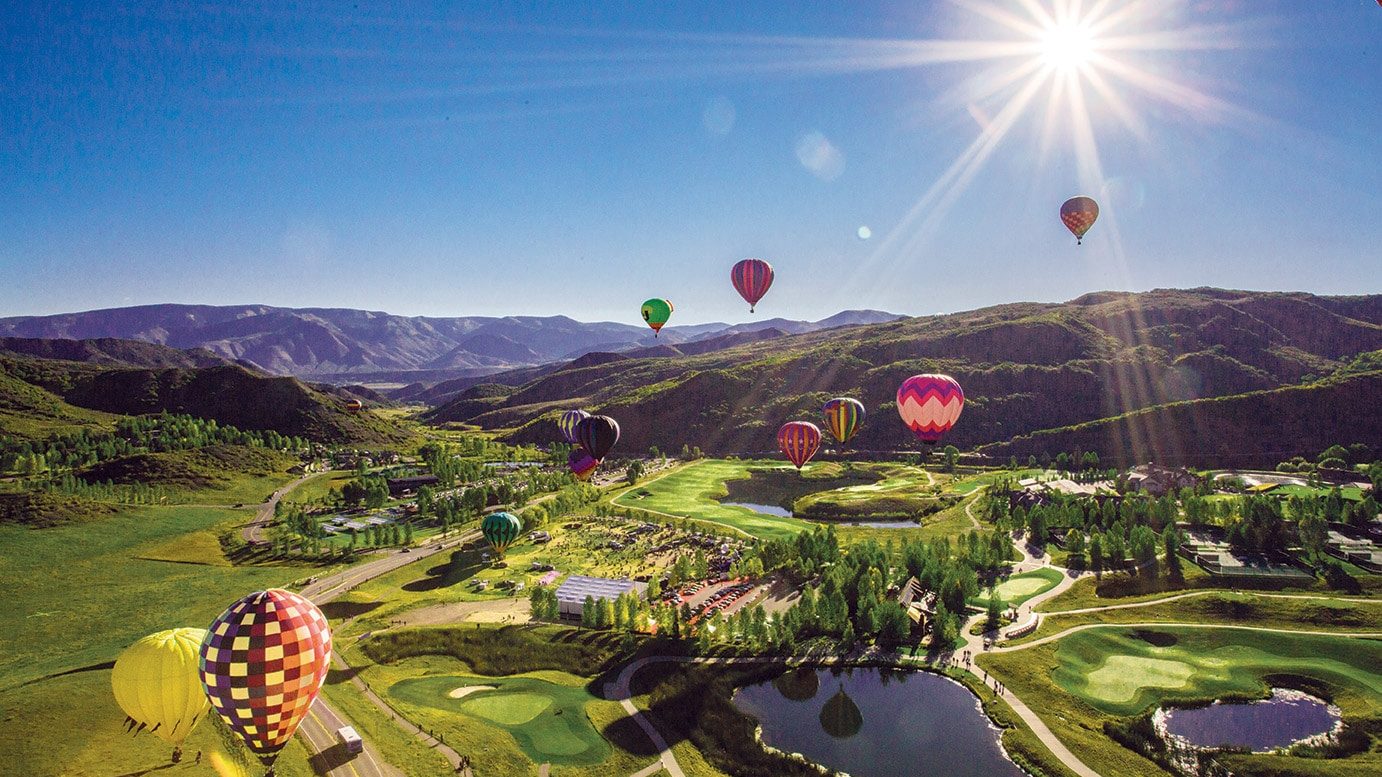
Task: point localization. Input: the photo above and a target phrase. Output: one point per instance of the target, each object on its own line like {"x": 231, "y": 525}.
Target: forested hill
{"x": 41, "y": 396}
{"x": 1025, "y": 367}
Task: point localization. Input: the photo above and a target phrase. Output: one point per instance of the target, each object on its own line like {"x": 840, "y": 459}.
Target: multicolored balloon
{"x": 567, "y": 423}
{"x": 752, "y": 277}
{"x": 843, "y": 416}
{"x": 262, "y": 664}
{"x": 597, "y": 434}
{"x": 799, "y": 441}
{"x": 581, "y": 464}
{"x": 501, "y": 529}
{"x": 656, "y": 312}
{"x": 930, "y": 405}
{"x": 155, "y": 682}
{"x": 1078, "y": 214}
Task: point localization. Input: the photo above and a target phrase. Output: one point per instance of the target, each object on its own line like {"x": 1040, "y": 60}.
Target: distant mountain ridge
{"x": 1025, "y": 368}
{"x": 347, "y": 345}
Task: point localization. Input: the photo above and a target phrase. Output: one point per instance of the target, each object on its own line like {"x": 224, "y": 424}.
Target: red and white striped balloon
{"x": 799, "y": 441}
{"x": 930, "y": 405}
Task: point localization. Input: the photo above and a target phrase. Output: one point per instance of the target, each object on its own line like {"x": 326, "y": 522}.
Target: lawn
{"x": 76, "y": 595}
{"x": 1021, "y": 587}
{"x": 71, "y": 725}
{"x": 1227, "y": 607}
{"x": 318, "y": 486}
{"x": 1099, "y": 675}
{"x": 694, "y": 492}
{"x": 967, "y": 484}
{"x": 546, "y": 715}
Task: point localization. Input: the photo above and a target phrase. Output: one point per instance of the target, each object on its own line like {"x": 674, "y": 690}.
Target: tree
{"x": 940, "y": 628}
{"x": 588, "y": 612}
{"x": 1313, "y": 530}
{"x": 634, "y": 471}
{"x": 1170, "y": 542}
{"x": 1096, "y": 553}
{"x": 950, "y": 455}
{"x": 991, "y": 622}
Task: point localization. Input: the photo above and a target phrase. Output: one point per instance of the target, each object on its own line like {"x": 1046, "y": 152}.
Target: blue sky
{"x": 464, "y": 159}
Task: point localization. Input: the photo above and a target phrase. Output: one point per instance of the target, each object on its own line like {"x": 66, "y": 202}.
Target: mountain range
{"x": 345, "y": 346}
{"x": 1025, "y": 367}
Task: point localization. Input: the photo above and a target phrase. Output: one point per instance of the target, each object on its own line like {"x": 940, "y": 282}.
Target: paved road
{"x": 265, "y": 513}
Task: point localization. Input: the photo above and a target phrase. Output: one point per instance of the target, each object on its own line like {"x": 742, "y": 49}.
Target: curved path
{"x": 265, "y": 514}
{"x": 1206, "y": 592}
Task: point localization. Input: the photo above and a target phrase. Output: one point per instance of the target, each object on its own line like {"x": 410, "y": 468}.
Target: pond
{"x": 871, "y": 524}
{"x": 1279, "y": 721}
{"x": 761, "y": 508}
{"x": 878, "y": 723}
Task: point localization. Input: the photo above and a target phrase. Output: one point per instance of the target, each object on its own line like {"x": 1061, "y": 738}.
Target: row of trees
{"x": 83, "y": 448}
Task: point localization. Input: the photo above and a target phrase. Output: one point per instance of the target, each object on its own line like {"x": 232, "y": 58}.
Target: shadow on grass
{"x": 150, "y": 770}
{"x": 462, "y": 566}
{"x": 343, "y": 610}
{"x": 338, "y": 676}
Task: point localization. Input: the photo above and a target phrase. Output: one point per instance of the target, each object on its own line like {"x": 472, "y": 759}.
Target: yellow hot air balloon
{"x": 157, "y": 684}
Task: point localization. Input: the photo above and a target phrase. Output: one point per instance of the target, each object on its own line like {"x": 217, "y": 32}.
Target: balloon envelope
{"x": 262, "y": 663}
{"x": 752, "y": 277}
{"x": 799, "y": 441}
{"x": 930, "y": 405}
{"x": 567, "y": 423}
{"x": 656, "y": 312}
{"x": 501, "y": 529}
{"x": 581, "y": 464}
{"x": 1078, "y": 214}
{"x": 155, "y": 682}
{"x": 597, "y": 434}
{"x": 843, "y": 417}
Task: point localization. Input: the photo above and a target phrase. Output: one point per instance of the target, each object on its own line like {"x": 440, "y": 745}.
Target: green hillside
{"x": 1024, "y": 367}
{"x": 37, "y": 396}
{"x": 1258, "y": 428}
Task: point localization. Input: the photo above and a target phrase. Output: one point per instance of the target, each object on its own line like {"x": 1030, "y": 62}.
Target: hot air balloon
{"x": 840, "y": 717}
{"x": 930, "y": 405}
{"x": 581, "y": 464}
{"x": 155, "y": 682}
{"x": 567, "y": 423}
{"x": 501, "y": 529}
{"x": 1079, "y": 214}
{"x": 752, "y": 277}
{"x": 799, "y": 441}
{"x": 354, "y": 405}
{"x": 656, "y": 312}
{"x": 843, "y": 417}
{"x": 262, "y": 663}
{"x": 597, "y": 434}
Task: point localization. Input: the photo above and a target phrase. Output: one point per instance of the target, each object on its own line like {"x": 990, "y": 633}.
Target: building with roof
{"x": 572, "y": 593}
{"x": 1157, "y": 480}
{"x": 409, "y": 485}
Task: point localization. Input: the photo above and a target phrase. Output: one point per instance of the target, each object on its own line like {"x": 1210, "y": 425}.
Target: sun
{"x": 1066, "y": 45}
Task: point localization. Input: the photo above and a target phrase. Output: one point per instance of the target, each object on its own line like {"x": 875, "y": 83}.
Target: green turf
{"x": 1125, "y": 671}
{"x": 1022, "y": 586}
{"x": 694, "y": 492}
{"x": 76, "y": 595}
{"x": 547, "y": 719}
{"x": 317, "y": 487}
{"x": 1078, "y": 683}
{"x": 71, "y": 725}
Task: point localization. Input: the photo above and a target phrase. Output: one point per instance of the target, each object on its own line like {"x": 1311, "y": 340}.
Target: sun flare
{"x": 1067, "y": 45}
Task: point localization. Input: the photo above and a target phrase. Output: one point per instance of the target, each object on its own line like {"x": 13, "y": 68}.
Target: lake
{"x": 760, "y": 508}
{"x": 1285, "y": 718}
{"x": 878, "y": 723}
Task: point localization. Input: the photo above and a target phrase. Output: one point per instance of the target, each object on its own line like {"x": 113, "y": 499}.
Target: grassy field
{"x": 1229, "y": 608}
{"x": 1121, "y": 588}
{"x": 1100, "y": 675}
{"x": 316, "y": 487}
{"x": 71, "y": 725}
{"x": 694, "y": 492}
{"x": 544, "y": 713}
{"x": 1021, "y": 587}
{"x": 77, "y": 595}
{"x": 539, "y": 712}
{"x": 967, "y": 483}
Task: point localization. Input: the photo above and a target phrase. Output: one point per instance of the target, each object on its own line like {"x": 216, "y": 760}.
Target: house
{"x": 1157, "y": 480}
{"x": 409, "y": 485}
{"x": 572, "y": 593}
{"x": 919, "y": 603}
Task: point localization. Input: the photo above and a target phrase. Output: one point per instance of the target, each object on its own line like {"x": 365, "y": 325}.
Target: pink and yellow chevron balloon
{"x": 930, "y": 405}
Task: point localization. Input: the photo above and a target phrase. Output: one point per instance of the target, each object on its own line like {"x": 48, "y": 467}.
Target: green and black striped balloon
{"x": 501, "y": 529}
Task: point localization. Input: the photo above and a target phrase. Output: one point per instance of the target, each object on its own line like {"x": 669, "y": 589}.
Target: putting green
{"x": 1121, "y": 677}
{"x": 1125, "y": 671}
{"x": 547, "y": 719}
{"x": 509, "y": 709}
{"x": 1021, "y": 588}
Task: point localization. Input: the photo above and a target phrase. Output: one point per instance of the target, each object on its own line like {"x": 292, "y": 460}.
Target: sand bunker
{"x": 466, "y": 690}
